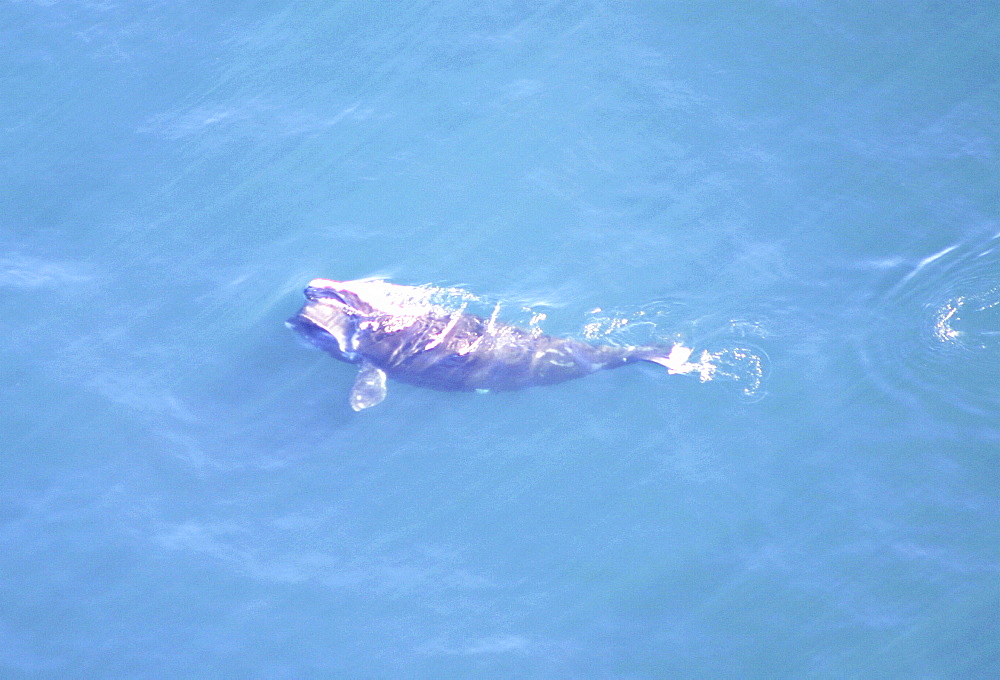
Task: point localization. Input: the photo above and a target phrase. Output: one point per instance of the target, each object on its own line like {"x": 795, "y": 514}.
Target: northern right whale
{"x": 391, "y": 330}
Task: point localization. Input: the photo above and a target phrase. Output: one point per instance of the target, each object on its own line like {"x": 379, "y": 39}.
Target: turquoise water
{"x": 811, "y": 186}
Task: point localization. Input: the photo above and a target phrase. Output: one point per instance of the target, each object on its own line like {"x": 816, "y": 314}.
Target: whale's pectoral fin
{"x": 369, "y": 387}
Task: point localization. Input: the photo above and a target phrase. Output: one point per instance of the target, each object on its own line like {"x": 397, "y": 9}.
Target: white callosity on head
{"x": 389, "y": 298}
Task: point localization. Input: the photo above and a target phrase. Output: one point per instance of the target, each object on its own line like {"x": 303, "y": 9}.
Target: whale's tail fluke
{"x": 677, "y": 359}
{"x": 742, "y": 365}
{"x": 674, "y": 359}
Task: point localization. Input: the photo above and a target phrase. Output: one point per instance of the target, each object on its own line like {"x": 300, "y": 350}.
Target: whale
{"x": 397, "y": 331}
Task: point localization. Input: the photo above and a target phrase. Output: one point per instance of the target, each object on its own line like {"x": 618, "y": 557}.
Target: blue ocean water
{"x": 809, "y": 186}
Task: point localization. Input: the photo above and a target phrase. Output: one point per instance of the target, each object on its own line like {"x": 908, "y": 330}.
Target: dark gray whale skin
{"x": 446, "y": 351}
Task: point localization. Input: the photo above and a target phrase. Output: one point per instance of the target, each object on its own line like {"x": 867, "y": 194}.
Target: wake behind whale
{"x": 396, "y": 331}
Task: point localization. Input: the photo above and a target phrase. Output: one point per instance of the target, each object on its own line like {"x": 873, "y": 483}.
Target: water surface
{"x": 185, "y": 492}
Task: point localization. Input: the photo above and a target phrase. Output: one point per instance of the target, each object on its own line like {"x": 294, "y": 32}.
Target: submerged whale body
{"x": 395, "y": 331}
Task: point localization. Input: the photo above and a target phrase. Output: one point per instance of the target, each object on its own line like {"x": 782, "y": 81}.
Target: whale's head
{"x": 334, "y": 311}
{"x": 371, "y": 297}
{"x": 330, "y": 317}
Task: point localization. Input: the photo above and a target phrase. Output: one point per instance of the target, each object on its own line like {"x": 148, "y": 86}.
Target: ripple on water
{"x": 935, "y": 340}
